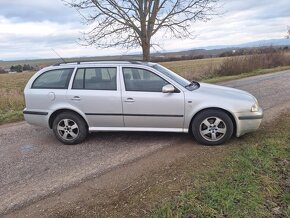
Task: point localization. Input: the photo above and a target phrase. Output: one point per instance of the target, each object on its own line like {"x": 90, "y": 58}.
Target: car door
{"x": 95, "y": 92}
{"x": 146, "y": 106}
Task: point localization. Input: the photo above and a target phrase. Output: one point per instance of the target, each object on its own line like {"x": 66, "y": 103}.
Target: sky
{"x": 30, "y": 29}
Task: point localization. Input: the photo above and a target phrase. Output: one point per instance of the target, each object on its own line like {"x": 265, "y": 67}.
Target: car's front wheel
{"x": 212, "y": 127}
{"x": 69, "y": 128}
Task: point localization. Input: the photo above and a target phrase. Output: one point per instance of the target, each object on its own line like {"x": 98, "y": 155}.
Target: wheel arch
{"x": 215, "y": 108}
{"x": 59, "y": 111}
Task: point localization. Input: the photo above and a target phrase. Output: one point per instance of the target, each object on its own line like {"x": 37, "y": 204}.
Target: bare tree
{"x": 288, "y": 32}
{"x": 133, "y": 23}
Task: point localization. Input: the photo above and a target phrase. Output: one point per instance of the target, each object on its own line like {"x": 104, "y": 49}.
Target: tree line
{"x": 21, "y": 68}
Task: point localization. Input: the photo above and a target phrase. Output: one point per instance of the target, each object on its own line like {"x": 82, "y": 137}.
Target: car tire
{"x": 70, "y": 128}
{"x": 212, "y": 127}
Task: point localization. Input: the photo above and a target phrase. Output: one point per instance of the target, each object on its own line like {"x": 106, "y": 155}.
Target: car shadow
{"x": 132, "y": 137}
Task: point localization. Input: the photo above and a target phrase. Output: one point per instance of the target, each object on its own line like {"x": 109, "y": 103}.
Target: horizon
{"x": 208, "y": 48}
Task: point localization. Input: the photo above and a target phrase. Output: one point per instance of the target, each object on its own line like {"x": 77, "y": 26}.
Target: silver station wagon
{"x": 74, "y": 99}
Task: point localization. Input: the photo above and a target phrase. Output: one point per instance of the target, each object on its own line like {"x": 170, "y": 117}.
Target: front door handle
{"x": 129, "y": 100}
{"x": 76, "y": 98}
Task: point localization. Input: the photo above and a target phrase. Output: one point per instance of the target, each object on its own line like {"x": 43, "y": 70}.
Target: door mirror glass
{"x": 168, "y": 88}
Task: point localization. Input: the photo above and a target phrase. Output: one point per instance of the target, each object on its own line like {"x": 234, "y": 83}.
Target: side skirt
{"x": 137, "y": 129}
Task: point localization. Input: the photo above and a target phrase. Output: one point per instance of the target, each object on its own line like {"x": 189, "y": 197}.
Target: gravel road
{"x": 33, "y": 164}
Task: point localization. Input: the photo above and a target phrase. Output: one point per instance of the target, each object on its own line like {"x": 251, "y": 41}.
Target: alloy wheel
{"x": 67, "y": 129}
{"x": 213, "y": 129}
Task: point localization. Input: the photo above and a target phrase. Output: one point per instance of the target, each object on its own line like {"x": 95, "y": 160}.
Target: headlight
{"x": 255, "y": 107}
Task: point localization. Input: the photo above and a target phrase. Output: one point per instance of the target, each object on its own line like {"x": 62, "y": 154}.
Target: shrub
{"x": 248, "y": 63}
{"x": 27, "y": 67}
{"x": 3, "y": 70}
{"x": 17, "y": 68}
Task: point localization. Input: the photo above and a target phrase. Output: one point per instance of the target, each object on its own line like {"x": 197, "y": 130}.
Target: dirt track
{"x": 34, "y": 164}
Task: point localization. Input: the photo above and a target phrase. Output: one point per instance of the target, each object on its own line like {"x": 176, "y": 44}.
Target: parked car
{"x": 74, "y": 99}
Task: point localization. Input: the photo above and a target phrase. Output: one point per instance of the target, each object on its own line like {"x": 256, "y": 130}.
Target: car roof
{"x": 150, "y": 64}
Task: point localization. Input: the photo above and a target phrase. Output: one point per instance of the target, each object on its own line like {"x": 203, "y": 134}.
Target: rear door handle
{"x": 129, "y": 100}
{"x": 76, "y": 98}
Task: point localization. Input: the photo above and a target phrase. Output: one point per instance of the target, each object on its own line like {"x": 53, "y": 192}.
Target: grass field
{"x": 11, "y": 96}
{"x": 12, "y": 85}
{"x": 195, "y": 69}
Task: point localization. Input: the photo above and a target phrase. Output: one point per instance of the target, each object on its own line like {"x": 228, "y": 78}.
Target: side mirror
{"x": 168, "y": 88}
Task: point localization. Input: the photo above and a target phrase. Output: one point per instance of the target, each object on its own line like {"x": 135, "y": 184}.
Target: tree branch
{"x": 132, "y": 23}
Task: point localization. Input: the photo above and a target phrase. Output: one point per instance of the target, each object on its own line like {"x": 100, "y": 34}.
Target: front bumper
{"x": 248, "y": 121}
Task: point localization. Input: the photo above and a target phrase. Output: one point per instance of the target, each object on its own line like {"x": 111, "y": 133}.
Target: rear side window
{"x": 100, "y": 78}
{"x": 53, "y": 79}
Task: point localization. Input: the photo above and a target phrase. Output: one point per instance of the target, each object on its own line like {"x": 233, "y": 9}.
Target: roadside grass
{"x": 217, "y": 79}
{"x": 254, "y": 181}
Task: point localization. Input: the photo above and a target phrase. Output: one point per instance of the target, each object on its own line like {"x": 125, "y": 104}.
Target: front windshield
{"x": 180, "y": 80}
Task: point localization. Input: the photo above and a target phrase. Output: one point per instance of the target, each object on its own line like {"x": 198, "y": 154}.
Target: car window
{"x": 180, "y": 80}
{"x": 142, "y": 80}
{"x": 53, "y": 79}
{"x": 99, "y": 78}
{"x": 79, "y": 79}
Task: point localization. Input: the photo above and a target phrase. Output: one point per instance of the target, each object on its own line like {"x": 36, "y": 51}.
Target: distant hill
{"x": 260, "y": 43}
{"x": 195, "y": 53}
{"x": 214, "y": 51}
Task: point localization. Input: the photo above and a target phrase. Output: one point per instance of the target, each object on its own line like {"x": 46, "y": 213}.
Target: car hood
{"x": 221, "y": 91}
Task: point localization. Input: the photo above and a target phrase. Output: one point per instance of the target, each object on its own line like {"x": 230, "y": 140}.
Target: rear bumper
{"x": 248, "y": 121}
{"x": 38, "y": 118}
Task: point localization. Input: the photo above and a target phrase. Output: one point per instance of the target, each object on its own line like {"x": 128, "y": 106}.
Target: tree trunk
{"x": 146, "y": 51}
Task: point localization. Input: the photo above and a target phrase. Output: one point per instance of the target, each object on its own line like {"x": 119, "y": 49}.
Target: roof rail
{"x": 58, "y": 64}
{"x": 98, "y": 61}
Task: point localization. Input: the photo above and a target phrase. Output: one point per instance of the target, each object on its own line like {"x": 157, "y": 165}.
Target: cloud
{"x": 26, "y": 40}
{"x": 259, "y": 10}
{"x": 35, "y": 11}
{"x": 30, "y": 28}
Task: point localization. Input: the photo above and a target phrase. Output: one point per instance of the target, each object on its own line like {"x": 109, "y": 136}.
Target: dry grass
{"x": 195, "y": 69}
{"x": 11, "y": 92}
{"x": 249, "y": 63}
{"x": 216, "y": 67}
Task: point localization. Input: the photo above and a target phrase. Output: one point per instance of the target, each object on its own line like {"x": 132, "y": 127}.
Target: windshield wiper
{"x": 193, "y": 83}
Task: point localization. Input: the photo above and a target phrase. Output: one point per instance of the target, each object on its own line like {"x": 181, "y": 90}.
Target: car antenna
{"x": 58, "y": 55}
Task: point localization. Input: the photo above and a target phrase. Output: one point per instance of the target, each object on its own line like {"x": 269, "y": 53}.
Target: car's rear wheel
{"x": 69, "y": 128}
{"x": 212, "y": 127}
